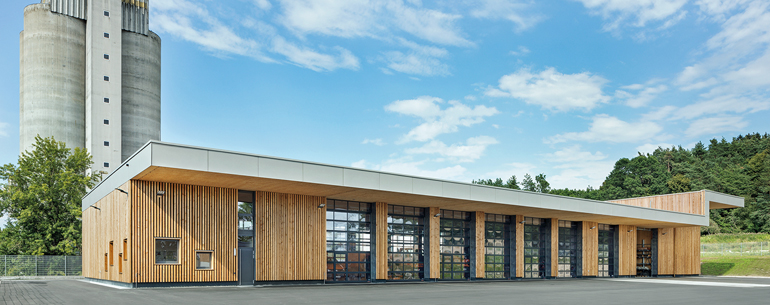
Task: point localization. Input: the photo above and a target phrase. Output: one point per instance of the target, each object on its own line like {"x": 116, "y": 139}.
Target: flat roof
{"x": 184, "y": 164}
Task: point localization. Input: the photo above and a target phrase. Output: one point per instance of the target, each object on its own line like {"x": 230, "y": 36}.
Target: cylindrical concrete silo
{"x": 141, "y": 91}
{"x": 52, "y": 77}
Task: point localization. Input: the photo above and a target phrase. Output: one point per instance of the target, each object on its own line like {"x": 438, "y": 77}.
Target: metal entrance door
{"x": 246, "y": 266}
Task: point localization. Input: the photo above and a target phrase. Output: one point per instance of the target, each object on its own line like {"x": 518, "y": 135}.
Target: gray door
{"x": 246, "y": 266}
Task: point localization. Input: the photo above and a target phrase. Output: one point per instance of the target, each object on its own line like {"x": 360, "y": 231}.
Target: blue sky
{"x": 456, "y": 90}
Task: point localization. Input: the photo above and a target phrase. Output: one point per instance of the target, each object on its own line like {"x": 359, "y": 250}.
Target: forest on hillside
{"x": 740, "y": 167}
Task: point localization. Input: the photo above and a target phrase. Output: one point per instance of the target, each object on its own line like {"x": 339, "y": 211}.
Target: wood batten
{"x": 381, "y": 223}
{"x": 108, "y": 220}
{"x": 627, "y": 250}
{"x": 290, "y": 232}
{"x": 519, "y": 246}
{"x": 554, "y": 247}
{"x": 480, "y": 244}
{"x": 687, "y": 251}
{"x": 435, "y": 256}
{"x": 692, "y": 202}
{"x": 200, "y": 217}
{"x": 590, "y": 240}
{"x": 666, "y": 251}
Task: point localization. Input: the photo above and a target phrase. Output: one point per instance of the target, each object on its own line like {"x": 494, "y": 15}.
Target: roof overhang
{"x": 175, "y": 163}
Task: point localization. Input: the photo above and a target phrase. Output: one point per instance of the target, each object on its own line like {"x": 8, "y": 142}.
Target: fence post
{"x": 65, "y": 265}
{"x": 35, "y": 265}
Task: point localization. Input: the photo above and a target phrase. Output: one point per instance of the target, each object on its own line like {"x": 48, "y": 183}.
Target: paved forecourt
{"x": 695, "y": 290}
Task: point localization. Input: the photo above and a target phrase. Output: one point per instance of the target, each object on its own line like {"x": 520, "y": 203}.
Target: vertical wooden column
{"x": 554, "y": 247}
{"x": 627, "y": 250}
{"x": 687, "y": 251}
{"x": 381, "y": 222}
{"x": 519, "y": 246}
{"x": 666, "y": 251}
{"x": 480, "y": 244}
{"x": 590, "y": 242}
{"x": 434, "y": 223}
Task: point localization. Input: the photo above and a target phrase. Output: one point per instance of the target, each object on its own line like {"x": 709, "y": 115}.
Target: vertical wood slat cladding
{"x": 554, "y": 247}
{"x": 382, "y": 240}
{"x": 519, "y": 246}
{"x": 692, "y": 202}
{"x": 201, "y": 217}
{"x": 627, "y": 250}
{"x": 434, "y": 223}
{"x": 590, "y": 242}
{"x": 480, "y": 244}
{"x": 666, "y": 251}
{"x": 290, "y": 236}
{"x": 110, "y": 223}
{"x": 687, "y": 250}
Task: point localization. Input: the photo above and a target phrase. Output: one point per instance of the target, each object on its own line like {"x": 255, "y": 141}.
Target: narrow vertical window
{"x": 105, "y": 262}
{"x": 120, "y": 263}
{"x": 125, "y": 249}
{"x": 111, "y": 256}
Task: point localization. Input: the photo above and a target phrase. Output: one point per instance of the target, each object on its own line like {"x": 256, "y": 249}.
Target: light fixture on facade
{"x": 437, "y": 215}
{"x": 594, "y": 227}
{"x": 122, "y": 191}
{"x": 161, "y": 193}
{"x": 321, "y": 206}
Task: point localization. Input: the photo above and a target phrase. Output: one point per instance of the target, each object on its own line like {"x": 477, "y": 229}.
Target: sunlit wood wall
{"x": 692, "y": 202}
{"x": 627, "y": 250}
{"x": 109, "y": 223}
{"x": 590, "y": 241}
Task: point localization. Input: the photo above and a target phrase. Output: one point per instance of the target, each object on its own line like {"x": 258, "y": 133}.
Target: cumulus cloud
{"x": 605, "y": 128}
{"x": 469, "y": 152}
{"x": 640, "y": 95}
{"x": 716, "y": 125}
{"x": 553, "y": 90}
{"x": 514, "y": 11}
{"x": 436, "y": 121}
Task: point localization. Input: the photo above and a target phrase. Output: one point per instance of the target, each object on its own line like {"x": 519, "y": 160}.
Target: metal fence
{"x": 40, "y": 265}
{"x": 736, "y": 249}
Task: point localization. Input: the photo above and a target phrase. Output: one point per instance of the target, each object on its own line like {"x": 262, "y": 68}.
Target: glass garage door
{"x": 536, "y": 249}
{"x": 454, "y": 241}
{"x": 606, "y": 259}
{"x": 348, "y": 241}
{"x": 568, "y": 248}
{"x": 497, "y": 246}
{"x": 405, "y": 243}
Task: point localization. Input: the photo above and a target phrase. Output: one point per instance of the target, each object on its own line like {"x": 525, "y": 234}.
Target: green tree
{"x": 42, "y": 197}
{"x": 528, "y": 184}
{"x": 542, "y": 186}
{"x": 512, "y": 183}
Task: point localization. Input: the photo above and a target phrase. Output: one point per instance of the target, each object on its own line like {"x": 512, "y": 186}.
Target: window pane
{"x": 166, "y": 251}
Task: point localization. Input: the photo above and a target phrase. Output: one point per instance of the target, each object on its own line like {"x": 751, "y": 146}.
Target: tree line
{"x": 739, "y": 167}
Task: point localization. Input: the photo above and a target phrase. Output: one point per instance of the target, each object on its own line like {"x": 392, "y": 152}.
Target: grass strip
{"x": 736, "y": 266}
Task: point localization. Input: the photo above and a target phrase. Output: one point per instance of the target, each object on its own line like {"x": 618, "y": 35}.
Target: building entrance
{"x": 348, "y": 241}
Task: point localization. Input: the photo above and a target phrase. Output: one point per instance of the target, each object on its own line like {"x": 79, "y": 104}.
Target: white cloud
{"x": 650, "y": 148}
{"x": 308, "y": 58}
{"x": 263, "y": 4}
{"x": 638, "y": 12}
{"x": 514, "y": 11}
{"x": 720, "y": 105}
{"x": 436, "y": 121}
{"x": 577, "y": 168}
{"x": 712, "y": 126}
{"x": 407, "y": 166}
{"x": 605, "y": 128}
{"x": 471, "y": 151}
{"x": 553, "y": 90}
{"x": 420, "y": 60}
{"x": 641, "y": 98}
{"x": 3, "y": 131}
{"x": 659, "y": 114}
{"x": 376, "y": 19}
{"x": 521, "y": 51}
{"x": 378, "y": 142}
{"x": 574, "y": 153}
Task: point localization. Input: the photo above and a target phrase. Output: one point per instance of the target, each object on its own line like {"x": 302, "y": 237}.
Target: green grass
{"x": 736, "y": 266}
{"x": 734, "y": 238}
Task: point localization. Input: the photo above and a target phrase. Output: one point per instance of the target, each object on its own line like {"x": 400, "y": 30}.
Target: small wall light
{"x": 161, "y": 193}
{"x": 321, "y": 206}
{"x": 521, "y": 222}
{"x": 437, "y": 215}
{"x": 93, "y": 206}
{"x": 122, "y": 191}
{"x": 629, "y": 231}
{"x": 664, "y": 233}
{"x": 594, "y": 227}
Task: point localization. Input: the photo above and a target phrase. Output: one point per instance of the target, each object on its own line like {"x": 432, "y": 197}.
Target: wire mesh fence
{"x": 736, "y": 249}
{"x": 40, "y": 265}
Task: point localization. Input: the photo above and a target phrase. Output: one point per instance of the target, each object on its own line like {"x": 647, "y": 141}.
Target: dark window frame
{"x": 497, "y": 247}
{"x": 406, "y": 230}
{"x": 349, "y": 232}
{"x": 454, "y": 245}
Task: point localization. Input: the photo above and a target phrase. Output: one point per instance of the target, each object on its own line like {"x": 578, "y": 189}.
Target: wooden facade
{"x": 290, "y": 231}
{"x": 590, "y": 240}
{"x": 119, "y": 236}
{"x": 626, "y": 250}
{"x": 692, "y": 202}
{"x": 108, "y": 221}
{"x": 201, "y": 218}
{"x": 381, "y": 238}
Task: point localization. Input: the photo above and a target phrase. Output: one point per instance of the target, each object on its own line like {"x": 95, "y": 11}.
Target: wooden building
{"x": 180, "y": 215}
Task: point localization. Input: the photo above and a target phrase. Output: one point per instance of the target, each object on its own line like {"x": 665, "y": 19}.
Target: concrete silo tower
{"x": 90, "y": 76}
